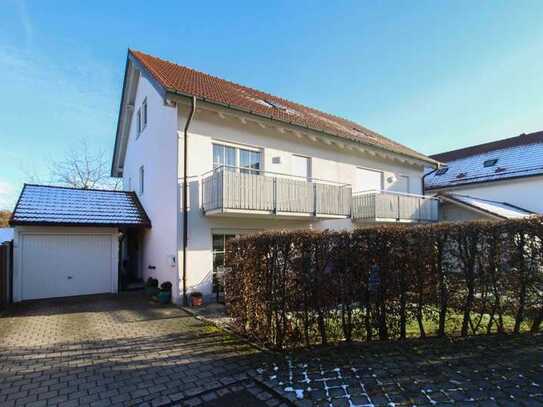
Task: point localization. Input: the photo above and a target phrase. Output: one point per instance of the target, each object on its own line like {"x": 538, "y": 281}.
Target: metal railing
{"x": 243, "y": 189}
{"x": 372, "y": 206}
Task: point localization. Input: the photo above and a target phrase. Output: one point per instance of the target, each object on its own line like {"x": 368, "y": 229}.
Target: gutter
{"x": 185, "y": 201}
{"x": 424, "y": 178}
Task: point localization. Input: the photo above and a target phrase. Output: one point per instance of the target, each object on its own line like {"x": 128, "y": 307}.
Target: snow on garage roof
{"x": 51, "y": 205}
{"x": 500, "y": 209}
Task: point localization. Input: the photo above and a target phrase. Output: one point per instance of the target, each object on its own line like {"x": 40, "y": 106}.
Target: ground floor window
{"x": 219, "y": 254}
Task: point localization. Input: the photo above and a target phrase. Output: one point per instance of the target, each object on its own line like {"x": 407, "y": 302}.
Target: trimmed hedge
{"x": 384, "y": 282}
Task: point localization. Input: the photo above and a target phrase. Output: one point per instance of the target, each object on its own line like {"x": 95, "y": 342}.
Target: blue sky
{"x": 434, "y": 75}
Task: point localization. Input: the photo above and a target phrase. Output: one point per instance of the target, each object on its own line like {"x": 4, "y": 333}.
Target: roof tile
{"x": 180, "y": 79}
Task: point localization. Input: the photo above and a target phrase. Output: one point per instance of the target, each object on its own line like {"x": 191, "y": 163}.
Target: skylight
{"x": 490, "y": 163}
{"x": 461, "y": 175}
{"x": 442, "y": 171}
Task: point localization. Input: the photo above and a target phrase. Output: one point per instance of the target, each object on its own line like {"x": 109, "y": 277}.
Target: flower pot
{"x": 164, "y": 297}
{"x": 197, "y": 301}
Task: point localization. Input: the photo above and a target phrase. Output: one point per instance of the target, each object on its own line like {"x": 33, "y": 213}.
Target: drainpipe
{"x": 424, "y": 178}
{"x": 185, "y": 201}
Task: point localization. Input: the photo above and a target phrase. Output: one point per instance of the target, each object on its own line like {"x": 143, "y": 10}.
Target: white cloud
{"x": 7, "y": 195}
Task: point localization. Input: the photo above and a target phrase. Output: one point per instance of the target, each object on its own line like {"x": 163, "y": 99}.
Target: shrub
{"x": 387, "y": 281}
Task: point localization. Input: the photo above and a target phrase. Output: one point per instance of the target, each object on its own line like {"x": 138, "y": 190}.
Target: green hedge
{"x": 383, "y": 282}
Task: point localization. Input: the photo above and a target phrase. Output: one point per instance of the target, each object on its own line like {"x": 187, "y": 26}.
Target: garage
{"x": 66, "y": 240}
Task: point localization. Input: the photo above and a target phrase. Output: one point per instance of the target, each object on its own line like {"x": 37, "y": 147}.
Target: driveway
{"x": 121, "y": 350}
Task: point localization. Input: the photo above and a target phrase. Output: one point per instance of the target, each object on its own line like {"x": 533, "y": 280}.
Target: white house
{"x": 496, "y": 180}
{"x": 248, "y": 161}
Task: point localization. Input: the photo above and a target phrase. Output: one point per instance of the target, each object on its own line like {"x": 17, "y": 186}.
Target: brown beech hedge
{"x": 301, "y": 288}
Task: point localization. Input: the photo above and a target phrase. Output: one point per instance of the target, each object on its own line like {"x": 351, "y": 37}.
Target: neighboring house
{"x": 250, "y": 162}
{"x": 67, "y": 240}
{"x": 496, "y": 180}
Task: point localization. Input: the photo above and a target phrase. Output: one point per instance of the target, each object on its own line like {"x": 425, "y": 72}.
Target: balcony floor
{"x": 249, "y": 213}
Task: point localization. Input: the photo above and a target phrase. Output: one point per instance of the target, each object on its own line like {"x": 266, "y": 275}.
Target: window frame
{"x": 142, "y": 179}
{"x": 144, "y": 115}
{"x": 237, "y": 157}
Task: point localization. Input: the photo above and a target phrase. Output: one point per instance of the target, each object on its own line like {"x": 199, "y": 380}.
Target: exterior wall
{"x": 449, "y": 212}
{"x": 20, "y": 232}
{"x": 155, "y": 149}
{"x": 526, "y": 193}
{"x": 328, "y": 163}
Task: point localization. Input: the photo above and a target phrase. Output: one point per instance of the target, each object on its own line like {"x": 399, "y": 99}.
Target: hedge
{"x": 384, "y": 282}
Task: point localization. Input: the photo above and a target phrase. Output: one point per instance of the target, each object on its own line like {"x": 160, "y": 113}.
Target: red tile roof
{"x": 522, "y": 140}
{"x": 179, "y": 79}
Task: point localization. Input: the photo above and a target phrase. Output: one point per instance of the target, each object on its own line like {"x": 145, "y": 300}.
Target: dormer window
{"x": 490, "y": 163}
{"x": 442, "y": 171}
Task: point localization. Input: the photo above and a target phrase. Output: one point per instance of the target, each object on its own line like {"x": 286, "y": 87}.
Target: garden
{"x": 302, "y": 288}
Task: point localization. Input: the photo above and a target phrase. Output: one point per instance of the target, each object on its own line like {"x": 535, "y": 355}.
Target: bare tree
{"x": 83, "y": 168}
{"x": 4, "y": 218}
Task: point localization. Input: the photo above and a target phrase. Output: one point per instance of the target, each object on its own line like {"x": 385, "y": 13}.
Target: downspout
{"x": 185, "y": 198}
{"x": 424, "y": 178}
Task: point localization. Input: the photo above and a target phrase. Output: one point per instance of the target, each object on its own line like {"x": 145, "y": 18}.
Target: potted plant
{"x": 151, "y": 287}
{"x": 196, "y": 299}
{"x": 165, "y": 294}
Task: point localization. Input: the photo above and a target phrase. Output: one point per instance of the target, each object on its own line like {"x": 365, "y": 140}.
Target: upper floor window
{"x": 142, "y": 180}
{"x": 144, "y": 113}
{"x": 490, "y": 163}
{"x": 138, "y": 123}
{"x": 231, "y": 157}
{"x": 142, "y": 117}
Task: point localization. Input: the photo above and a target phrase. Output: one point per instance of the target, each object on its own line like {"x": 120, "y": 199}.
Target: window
{"x": 144, "y": 113}
{"x": 490, "y": 163}
{"x": 249, "y": 161}
{"x": 219, "y": 253}
{"x": 442, "y": 171}
{"x": 223, "y": 155}
{"x": 138, "y": 124}
{"x": 142, "y": 180}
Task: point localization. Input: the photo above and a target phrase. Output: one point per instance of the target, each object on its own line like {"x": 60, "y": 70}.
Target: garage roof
{"x": 61, "y": 206}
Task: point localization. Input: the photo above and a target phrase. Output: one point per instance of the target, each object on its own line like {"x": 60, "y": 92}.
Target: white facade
{"x": 282, "y": 150}
{"x": 55, "y": 261}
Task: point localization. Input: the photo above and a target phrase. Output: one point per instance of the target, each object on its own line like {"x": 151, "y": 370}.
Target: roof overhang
{"x": 134, "y": 69}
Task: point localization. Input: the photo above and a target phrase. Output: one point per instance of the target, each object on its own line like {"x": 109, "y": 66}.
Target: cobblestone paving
{"x": 486, "y": 371}
{"x": 119, "y": 350}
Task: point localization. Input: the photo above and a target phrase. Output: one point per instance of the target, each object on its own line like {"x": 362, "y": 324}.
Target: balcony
{"x": 384, "y": 206}
{"x": 233, "y": 191}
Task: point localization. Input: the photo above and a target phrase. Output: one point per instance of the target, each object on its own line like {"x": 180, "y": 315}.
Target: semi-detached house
{"x": 250, "y": 162}
{"x": 207, "y": 159}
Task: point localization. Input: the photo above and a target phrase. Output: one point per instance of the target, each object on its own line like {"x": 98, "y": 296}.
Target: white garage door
{"x": 64, "y": 265}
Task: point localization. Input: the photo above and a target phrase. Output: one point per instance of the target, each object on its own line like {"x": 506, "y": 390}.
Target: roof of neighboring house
{"x": 186, "y": 81}
{"x": 61, "y": 206}
{"x": 515, "y": 157}
{"x": 6, "y": 234}
{"x": 500, "y": 209}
